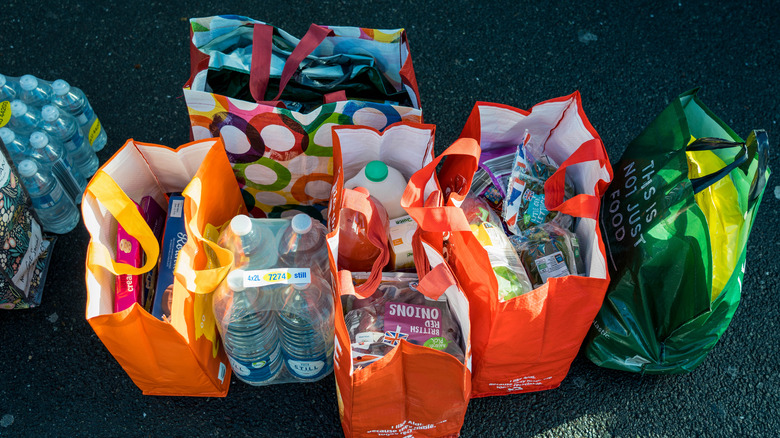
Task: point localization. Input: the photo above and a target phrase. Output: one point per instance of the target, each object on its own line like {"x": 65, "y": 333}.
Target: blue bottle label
{"x": 259, "y": 369}
{"x": 49, "y": 200}
{"x": 78, "y": 138}
{"x": 311, "y": 368}
{"x": 88, "y": 113}
{"x": 64, "y": 175}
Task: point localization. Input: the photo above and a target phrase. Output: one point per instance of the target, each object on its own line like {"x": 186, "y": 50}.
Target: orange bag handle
{"x": 581, "y": 205}
{"x": 359, "y": 201}
{"x": 107, "y": 192}
{"x": 436, "y": 282}
{"x": 437, "y": 212}
{"x": 262, "y": 50}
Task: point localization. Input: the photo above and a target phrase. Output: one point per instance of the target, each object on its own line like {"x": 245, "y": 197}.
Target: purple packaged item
{"x": 398, "y": 311}
{"x": 154, "y": 215}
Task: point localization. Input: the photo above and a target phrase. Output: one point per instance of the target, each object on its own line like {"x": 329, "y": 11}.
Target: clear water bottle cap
{"x": 301, "y": 223}
{"x": 60, "y": 87}
{"x": 50, "y": 113}
{"x": 27, "y": 168}
{"x": 38, "y": 139}
{"x": 7, "y": 135}
{"x": 235, "y": 280}
{"x": 28, "y": 82}
{"x": 18, "y": 108}
{"x": 376, "y": 171}
{"x": 241, "y": 225}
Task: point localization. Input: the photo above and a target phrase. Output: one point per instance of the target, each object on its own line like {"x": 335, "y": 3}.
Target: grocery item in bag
{"x": 548, "y": 251}
{"x": 174, "y": 238}
{"x": 524, "y": 205}
{"x": 384, "y": 183}
{"x": 128, "y": 286}
{"x": 486, "y": 226}
{"x": 356, "y": 251}
{"x": 398, "y": 311}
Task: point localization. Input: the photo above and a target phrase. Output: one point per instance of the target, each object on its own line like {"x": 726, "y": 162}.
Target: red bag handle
{"x": 581, "y": 205}
{"x": 454, "y": 178}
{"x": 262, "y": 50}
{"x": 435, "y": 283}
{"x": 359, "y": 201}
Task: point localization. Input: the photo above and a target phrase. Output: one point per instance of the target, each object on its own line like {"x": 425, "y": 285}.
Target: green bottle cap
{"x": 376, "y": 171}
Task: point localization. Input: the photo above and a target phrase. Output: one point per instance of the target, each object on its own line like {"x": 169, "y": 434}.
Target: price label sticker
{"x": 264, "y": 277}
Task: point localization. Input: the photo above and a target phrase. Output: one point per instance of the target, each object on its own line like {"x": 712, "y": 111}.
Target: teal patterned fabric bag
{"x": 280, "y": 143}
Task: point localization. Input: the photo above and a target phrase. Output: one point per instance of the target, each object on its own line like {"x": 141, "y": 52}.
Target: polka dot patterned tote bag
{"x": 274, "y": 100}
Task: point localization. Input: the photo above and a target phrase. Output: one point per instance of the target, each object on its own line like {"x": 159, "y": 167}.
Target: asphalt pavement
{"x": 628, "y": 59}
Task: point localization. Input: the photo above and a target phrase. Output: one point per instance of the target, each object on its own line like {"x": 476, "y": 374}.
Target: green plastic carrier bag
{"x": 676, "y": 221}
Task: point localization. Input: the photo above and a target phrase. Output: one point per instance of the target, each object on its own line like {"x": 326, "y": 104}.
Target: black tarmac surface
{"x": 628, "y": 60}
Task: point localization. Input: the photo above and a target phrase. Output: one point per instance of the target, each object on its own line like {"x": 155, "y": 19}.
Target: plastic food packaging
{"x": 398, "y": 311}
{"x": 548, "y": 251}
{"x": 524, "y": 205}
{"x": 274, "y": 310}
{"x": 492, "y": 177}
{"x": 486, "y": 226}
{"x": 356, "y": 252}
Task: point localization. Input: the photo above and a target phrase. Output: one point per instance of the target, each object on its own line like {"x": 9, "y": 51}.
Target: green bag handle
{"x": 710, "y": 144}
{"x": 762, "y": 151}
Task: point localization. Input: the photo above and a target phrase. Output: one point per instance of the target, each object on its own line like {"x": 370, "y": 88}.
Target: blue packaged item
{"x": 174, "y": 238}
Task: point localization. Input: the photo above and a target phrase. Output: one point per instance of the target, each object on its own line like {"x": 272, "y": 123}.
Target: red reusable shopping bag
{"x": 528, "y": 342}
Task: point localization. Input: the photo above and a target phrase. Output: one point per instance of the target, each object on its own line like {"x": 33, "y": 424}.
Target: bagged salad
{"x": 486, "y": 226}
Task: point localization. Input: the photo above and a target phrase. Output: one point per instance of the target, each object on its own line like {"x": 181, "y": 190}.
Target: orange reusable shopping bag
{"x": 413, "y": 390}
{"x": 183, "y": 356}
{"x": 526, "y": 343}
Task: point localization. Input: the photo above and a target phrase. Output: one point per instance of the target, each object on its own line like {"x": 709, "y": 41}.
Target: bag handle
{"x": 711, "y": 144}
{"x": 359, "y": 201}
{"x": 107, "y": 192}
{"x": 581, "y": 205}
{"x": 436, "y": 281}
{"x": 762, "y": 150}
{"x": 262, "y": 52}
{"x": 454, "y": 178}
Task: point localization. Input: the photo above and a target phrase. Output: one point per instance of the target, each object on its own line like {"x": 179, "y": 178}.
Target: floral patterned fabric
{"x": 25, "y": 252}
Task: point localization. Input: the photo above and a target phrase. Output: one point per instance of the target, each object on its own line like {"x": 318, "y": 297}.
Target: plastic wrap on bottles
{"x": 398, "y": 311}
{"x": 275, "y": 308}
{"x": 548, "y": 251}
{"x": 524, "y": 205}
{"x": 486, "y": 226}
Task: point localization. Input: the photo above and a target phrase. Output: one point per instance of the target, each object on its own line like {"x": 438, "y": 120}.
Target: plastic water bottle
{"x": 16, "y": 144}
{"x": 46, "y": 151}
{"x": 64, "y": 128}
{"x": 24, "y": 118}
{"x": 34, "y": 91}
{"x": 74, "y": 101}
{"x": 57, "y": 212}
{"x": 258, "y": 249}
{"x": 306, "y": 325}
{"x": 384, "y": 183}
{"x": 249, "y": 331}
{"x": 9, "y": 89}
{"x": 303, "y": 245}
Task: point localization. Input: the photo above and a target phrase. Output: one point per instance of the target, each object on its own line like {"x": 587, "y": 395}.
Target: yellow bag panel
{"x": 720, "y": 205}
